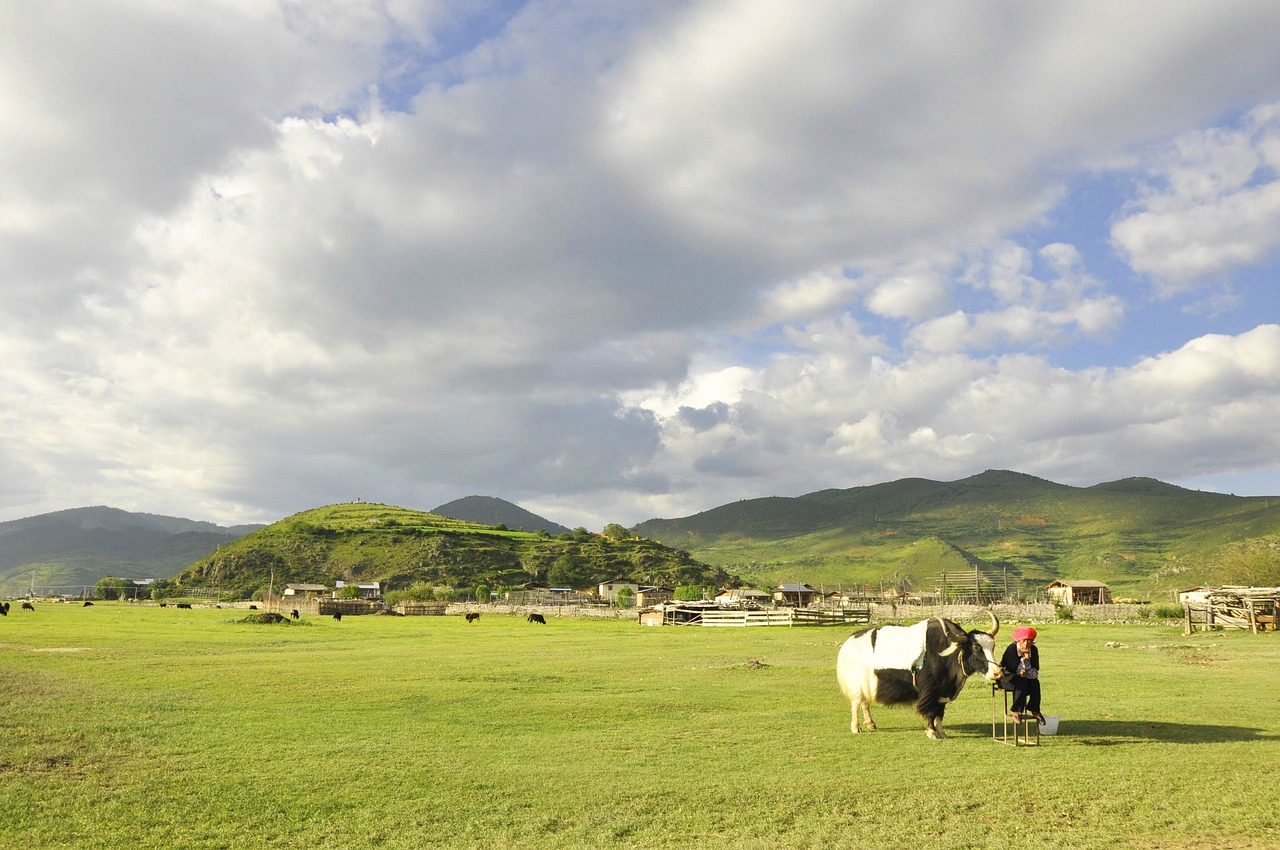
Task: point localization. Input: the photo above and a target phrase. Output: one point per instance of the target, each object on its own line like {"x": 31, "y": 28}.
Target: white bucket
{"x": 1050, "y": 725}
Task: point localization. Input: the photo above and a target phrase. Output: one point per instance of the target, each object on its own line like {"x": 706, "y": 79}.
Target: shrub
{"x": 1062, "y": 612}
{"x": 1169, "y": 612}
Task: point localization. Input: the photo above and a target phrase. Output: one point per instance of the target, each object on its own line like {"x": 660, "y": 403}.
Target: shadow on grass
{"x": 1101, "y": 733}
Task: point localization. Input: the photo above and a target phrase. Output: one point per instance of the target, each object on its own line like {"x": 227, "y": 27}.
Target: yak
{"x": 926, "y": 663}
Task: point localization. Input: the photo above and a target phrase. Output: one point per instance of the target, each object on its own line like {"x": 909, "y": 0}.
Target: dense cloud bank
{"x": 614, "y": 263}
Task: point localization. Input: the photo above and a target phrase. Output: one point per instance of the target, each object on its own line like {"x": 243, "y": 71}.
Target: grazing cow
{"x": 164, "y": 604}
{"x": 473, "y": 616}
{"x": 295, "y": 614}
{"x": 536, "y": 618}
{"x": 253, "y": 607}
{"x": 337, "y": 615}
{"x": 87, "y": 603}
{"x": 4, "y": 609}
{"x": 27, "y": 606}
{"x": 926, "y": 664}
{"x": 184, "y": 605}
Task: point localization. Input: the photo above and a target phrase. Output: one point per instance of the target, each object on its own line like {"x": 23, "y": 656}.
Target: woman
{"x": 1021, "y": 663}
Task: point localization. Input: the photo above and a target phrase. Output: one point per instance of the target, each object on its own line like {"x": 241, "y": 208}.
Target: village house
{"x": 795, "y": 595}
{"x": 306, "y": 591}
{"x": 367, "y": 589}
{"x": 647, "y": 597}
{"x": 608, "y": 590}
{"x": 1085, "y": 592}
{"x": 735, "y": 597}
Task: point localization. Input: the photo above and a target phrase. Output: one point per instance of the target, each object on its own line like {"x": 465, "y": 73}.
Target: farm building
{"x": 1083, "y": 592}
{"x": 797, "y": 595}
{"x": 649, "y": 596}
{"x": 306, "y": 591}
{"x": 608, "y": 590}
{"x": 367, "y": 589}
{"x": 1253, "y": 608}
{"x": 742, "y": 596}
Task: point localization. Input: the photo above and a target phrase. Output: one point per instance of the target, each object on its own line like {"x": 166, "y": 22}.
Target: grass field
{"x": 144, "y": 727}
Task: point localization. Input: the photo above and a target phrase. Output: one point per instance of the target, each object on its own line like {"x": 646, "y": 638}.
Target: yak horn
{"x": 995, "y": 623}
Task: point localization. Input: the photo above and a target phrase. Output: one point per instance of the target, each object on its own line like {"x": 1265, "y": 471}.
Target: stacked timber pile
{"x": 1253, "y": 608}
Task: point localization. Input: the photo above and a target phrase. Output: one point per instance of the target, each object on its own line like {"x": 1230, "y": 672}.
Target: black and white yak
{"x": 927, "y": 664}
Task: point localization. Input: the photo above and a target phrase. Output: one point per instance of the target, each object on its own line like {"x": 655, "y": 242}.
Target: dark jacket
{"x": 1009, "y": 661}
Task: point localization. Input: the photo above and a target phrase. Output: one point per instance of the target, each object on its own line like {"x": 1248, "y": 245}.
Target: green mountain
{"x": 65, "y": 550}
{"x": 486, "y": 510}
{"x": 1139, "y": 535}
{"x": 400, "y": 547}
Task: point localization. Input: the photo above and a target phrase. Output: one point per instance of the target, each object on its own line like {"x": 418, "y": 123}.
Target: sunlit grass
{"x": 148, "y": 727}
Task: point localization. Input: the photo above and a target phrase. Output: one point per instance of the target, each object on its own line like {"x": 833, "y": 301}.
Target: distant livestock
{"x": 927, "y": 664}
{"x": 87, "y": 603}
{"x": 4, "y": 609}
{"x": 184, "y": 605}
{"x": 295, "y": 614}
{"x": 537, "y": 618}
{"x": 473, "y": 616}
{"x": 27, "y": 606}
{"x": 253, "y": 607}
{"x": 337, "y": 615}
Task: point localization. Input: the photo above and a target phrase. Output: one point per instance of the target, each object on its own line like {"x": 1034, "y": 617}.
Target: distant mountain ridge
{"x": 79, "y": 546}
{"x": 1136, "y": 533}
{"x": 488, "y": 510}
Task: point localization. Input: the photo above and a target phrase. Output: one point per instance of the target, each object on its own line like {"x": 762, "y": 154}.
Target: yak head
{"x": 976, "y": 649}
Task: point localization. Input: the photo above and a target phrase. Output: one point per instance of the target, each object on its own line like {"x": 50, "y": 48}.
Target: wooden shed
{"x": 796, "y": 595}
{"x": 1083, "y": 592}
{"x": 306, "y": 591}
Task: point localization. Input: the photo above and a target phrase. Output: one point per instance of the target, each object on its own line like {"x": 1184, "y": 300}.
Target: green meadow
{"x": 144, "y": 727}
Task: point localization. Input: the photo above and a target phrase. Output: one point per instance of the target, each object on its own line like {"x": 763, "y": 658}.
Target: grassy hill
{"x": 401, "y": 547}
{"x": 72, "y": 548}
{"x": 487, "y": 510}
{"x": 1140, "y": 535}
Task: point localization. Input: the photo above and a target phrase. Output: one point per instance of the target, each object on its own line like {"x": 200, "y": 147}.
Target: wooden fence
{"x": 1254, "y": 611}
{"x": 782, "y": 617}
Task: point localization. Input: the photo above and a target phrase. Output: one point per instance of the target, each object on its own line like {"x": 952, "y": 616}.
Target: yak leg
{"x": 860, "y": 704}
{"x": 933, "y": 727}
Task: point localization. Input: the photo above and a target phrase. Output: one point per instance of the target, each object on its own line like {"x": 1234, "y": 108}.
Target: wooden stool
{"x": 1008, "y": 728}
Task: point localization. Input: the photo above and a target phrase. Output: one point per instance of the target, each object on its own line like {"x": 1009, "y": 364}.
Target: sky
{"x": 614, "y": 261}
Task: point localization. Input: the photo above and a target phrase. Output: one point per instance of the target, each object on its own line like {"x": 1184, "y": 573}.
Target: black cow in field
{"x": 337, "y": 615}
{"x": 87, "y": 603}
{"x": 295, "y": 615}
{"x": 253, "y": 607}
{"x": 184, "y": 605}
{"x": 4, "y": 609}
{"x": 536, "y": 618}
{"x": 27, "y": 606}
{"x": 473, "y": 616}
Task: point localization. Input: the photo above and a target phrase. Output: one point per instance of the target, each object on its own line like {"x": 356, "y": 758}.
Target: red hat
{"x": 1024, "y": 633}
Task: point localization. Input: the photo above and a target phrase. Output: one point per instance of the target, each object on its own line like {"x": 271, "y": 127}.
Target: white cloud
{"x": 635, "y": 257}
{"x": 1213, "y": 204}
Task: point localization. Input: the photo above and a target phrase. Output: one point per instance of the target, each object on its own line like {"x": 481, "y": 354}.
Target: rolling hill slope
{"x": 72, "y": 548}
{"x": 400, "y": 547}
{"x": 1139, "y": 535}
